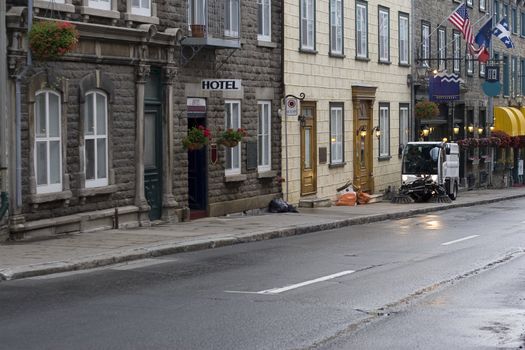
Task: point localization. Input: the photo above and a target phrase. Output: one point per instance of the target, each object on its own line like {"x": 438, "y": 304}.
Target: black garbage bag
{"x": 278, "y": 205}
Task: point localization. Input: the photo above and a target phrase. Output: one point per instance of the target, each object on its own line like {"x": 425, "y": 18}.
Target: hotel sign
{"x": 221, "y": 84}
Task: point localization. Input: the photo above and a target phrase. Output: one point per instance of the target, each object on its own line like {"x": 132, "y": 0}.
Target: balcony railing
{"x": 214, "y": 23}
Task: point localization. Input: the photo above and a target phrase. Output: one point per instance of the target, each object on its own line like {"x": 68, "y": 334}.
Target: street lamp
{"x": 480, "y": 130}
{"x": 470, "y": 128}
{"x": 377, "y": 131}
{"x": 456, "y": 129}
{"x": 425, "y": 131}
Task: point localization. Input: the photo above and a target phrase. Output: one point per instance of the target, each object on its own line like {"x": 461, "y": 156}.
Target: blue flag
{"x": 502, "y": 31}
{"x": 484, "y": 34}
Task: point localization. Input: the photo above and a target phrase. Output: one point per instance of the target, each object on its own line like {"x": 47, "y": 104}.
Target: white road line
{"x": 297, "y": 285}
{"x": 460, "y": 240}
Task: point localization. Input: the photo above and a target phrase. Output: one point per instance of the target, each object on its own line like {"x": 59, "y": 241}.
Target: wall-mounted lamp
{"x": 302, "y": 120}
{"x": 409, "y": 79}
{"x": 377, "y": 131}
{"x": 480, "y": 130}
{"x": 425, "y": 131}
{"x": 361, "y": 131}
{"x": 445, "y": 139}
{"x": 456, "y": 129}
{"x": 491, "y": 127}
{"x": 519, "y": 100}
{"x": 470, "y": 128}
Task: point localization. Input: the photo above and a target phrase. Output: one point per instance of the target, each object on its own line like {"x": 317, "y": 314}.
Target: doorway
{"x": 197, "y": 175}
{"x": 153, "y": 160}
{"x": 308, "y": 149}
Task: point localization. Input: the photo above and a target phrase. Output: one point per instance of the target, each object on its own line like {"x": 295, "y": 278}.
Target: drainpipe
{"x": 283, "y": 114}
{"x": 4, "y": 144}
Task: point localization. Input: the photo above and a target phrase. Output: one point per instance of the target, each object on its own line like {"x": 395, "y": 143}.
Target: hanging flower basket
{"x": 197, "y": 137}
{"x": 426, "y": 110}
{"x": 231, "y": 137}
{"x": 49, "y": 40}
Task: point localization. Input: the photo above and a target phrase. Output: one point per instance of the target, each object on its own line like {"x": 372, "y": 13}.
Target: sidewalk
{"x": 89, "y": 250}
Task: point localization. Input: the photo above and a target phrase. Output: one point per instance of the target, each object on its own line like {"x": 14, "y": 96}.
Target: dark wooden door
{"x": 153, "y": 159}
{"x": 197, "y": 176}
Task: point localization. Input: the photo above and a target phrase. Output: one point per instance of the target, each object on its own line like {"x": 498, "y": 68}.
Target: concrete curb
{"x": 175, "y": 247}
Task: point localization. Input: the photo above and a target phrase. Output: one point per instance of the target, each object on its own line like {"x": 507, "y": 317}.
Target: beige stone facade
{"x": 326, "y": 79}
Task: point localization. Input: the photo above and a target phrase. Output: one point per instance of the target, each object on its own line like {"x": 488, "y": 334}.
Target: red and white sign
{"x": 292, "y": 108}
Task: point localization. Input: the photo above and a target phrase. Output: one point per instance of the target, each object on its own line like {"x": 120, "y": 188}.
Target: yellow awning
{"x": 520, "y": 118}
{"x": 505, "y": 120}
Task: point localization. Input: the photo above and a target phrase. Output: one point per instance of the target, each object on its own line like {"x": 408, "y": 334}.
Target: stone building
{"x": 352, "y": 60}
{"x": 96, "y": 135}
{"x": 438, "y": 46}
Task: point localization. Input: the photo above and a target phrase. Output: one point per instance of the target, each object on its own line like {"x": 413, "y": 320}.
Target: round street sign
{"x": 291, "y": 107}
{"x": 491, "y": 89}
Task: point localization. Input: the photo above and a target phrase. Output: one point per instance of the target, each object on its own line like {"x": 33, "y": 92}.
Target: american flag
{"x": 460, "y": 19}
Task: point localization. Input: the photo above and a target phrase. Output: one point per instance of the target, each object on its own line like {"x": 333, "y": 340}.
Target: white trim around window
{"x": 336, "y": 134}
{"x": 404, "y": 110}
{"x": 336, "y": 27}
{"x": 361, "y": 29}
{"x": 482, "y": 5}
{"x": 404, "y": 43}
{"x": 48, "y": 142}
{"x": 96, "y": 139}
{"x": 456, "y": 52}
{"x": 231, "y": 18}
{"x": 384, "y": 34}
{"x": 141, "y": 7}
{"x": 442, "y": 48}
{"x": 232, "y": 119}
{"x": 307, "y": 24}
{"x": 264, "y": 136}
{"x": 384, "y": 126}
{"x": 264, "y": 20}
{"x": 425, "y": 43}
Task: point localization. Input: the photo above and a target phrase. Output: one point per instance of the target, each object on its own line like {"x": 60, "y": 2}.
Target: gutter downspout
{"x": 4, "y": 144}
{"x": 283, "y": 101}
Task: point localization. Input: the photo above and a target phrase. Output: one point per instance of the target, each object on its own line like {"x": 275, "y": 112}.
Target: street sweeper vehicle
{"x": 430, "y": 172}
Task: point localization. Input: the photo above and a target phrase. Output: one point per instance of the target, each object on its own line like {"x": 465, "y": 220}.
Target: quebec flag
{"x": 502, "y": 31}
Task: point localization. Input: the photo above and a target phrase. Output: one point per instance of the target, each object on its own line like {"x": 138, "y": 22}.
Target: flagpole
{"x": 490, "y": 113}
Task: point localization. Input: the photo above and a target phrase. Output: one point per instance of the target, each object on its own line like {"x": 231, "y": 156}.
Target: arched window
{"x": 96, "y": 139}
{"x": 48, "y": 142}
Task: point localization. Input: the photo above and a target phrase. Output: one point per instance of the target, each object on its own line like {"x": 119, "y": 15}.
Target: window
{"x": 522, "y": 77}
{"x": 336, "y": 134}
{"x": 361, "y": 28}
{"x": 442, "y": 48}
{"x": 99, "y": 4}
{"x": 505, "y": 12}
{"x": 513, "y": 74}
{"x": 231, "y": 19}
{"x": 336, "y": 26}
{"x": 482, "y": 5}
{"x": 56, "y": 1}
{"x": 470, "y": 64}
{"x": 496, "y": 10}
{"x": 264, "y": 146}
{"x": 141, "y": 7}
{"x": 456, "y": 51}
{"x": 264, "y": 20}
{"x": 482, "y": 69}
{"x": 48, "y": 142}
{"x": 197, "y": 12}
{"x": 403, "y": 125}
{"x": 384, "y": 126}
{"x": 470, "y": 3}
{"x": 233, "y": 120}
{"x": 514, "y": 24}
{"x": 425, "y": 43}
{"x": 307, "y": 24}
{"x": 384, "y": 34}
{"x": 96, "y": 140}
{"x": 522, "y": 24}
{"x": 403, "y": 39}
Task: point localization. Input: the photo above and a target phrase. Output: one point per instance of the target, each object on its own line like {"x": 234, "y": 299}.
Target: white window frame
{"x": 57, "y": 1}
{"x": 97, "y": 181}
{"x": 425, "y": 43}
{"x": 404, "y": 35}
{"x": 384, "y": 126}
{"x": 361, "y": 29}
{"x": 442, "y": 48}
{"x": 264, "y": 136}
{"x": 141, "y": 10}
{"x": 199, "y": 17}
{"x": 336, "y": 134}
{"x": 49, "y": 187}
{"x": 456, "y": 52}
{"x": 336, "y": 27}
{"x": 264, "y": 28}
{"x": 232, "y": 7}
{"x": 234, "y": 123}
{"x": 384, "y": 34}
{"x": 482, "y": 69}
{"x": 100, "y": 4}
{"x": 470, "y": 3}
{"x": 482, "y": 5}
{"x": 404, "y": 115}
{"x": 307, "y": 25}
{"x": 513, "y": 75}
{"x": 470, "y": 64}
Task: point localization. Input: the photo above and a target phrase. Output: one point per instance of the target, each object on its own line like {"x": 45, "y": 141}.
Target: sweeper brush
{"x": 401, "y": 199}
{"x": 440, "y": 198}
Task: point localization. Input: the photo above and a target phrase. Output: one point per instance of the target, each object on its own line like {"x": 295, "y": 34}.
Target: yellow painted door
{"x": 363, "y": 147}
{"x": 308, "y": 149}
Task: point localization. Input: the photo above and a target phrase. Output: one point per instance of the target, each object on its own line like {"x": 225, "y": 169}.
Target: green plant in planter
{"x": 197, "y": 137}
{"x": 426, "y": 110}
{"x": 49, "y": 40}
{"x": 231, "y": 137}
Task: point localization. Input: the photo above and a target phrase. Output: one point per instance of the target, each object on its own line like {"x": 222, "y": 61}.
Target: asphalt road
{"x": 320, "y": 290}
